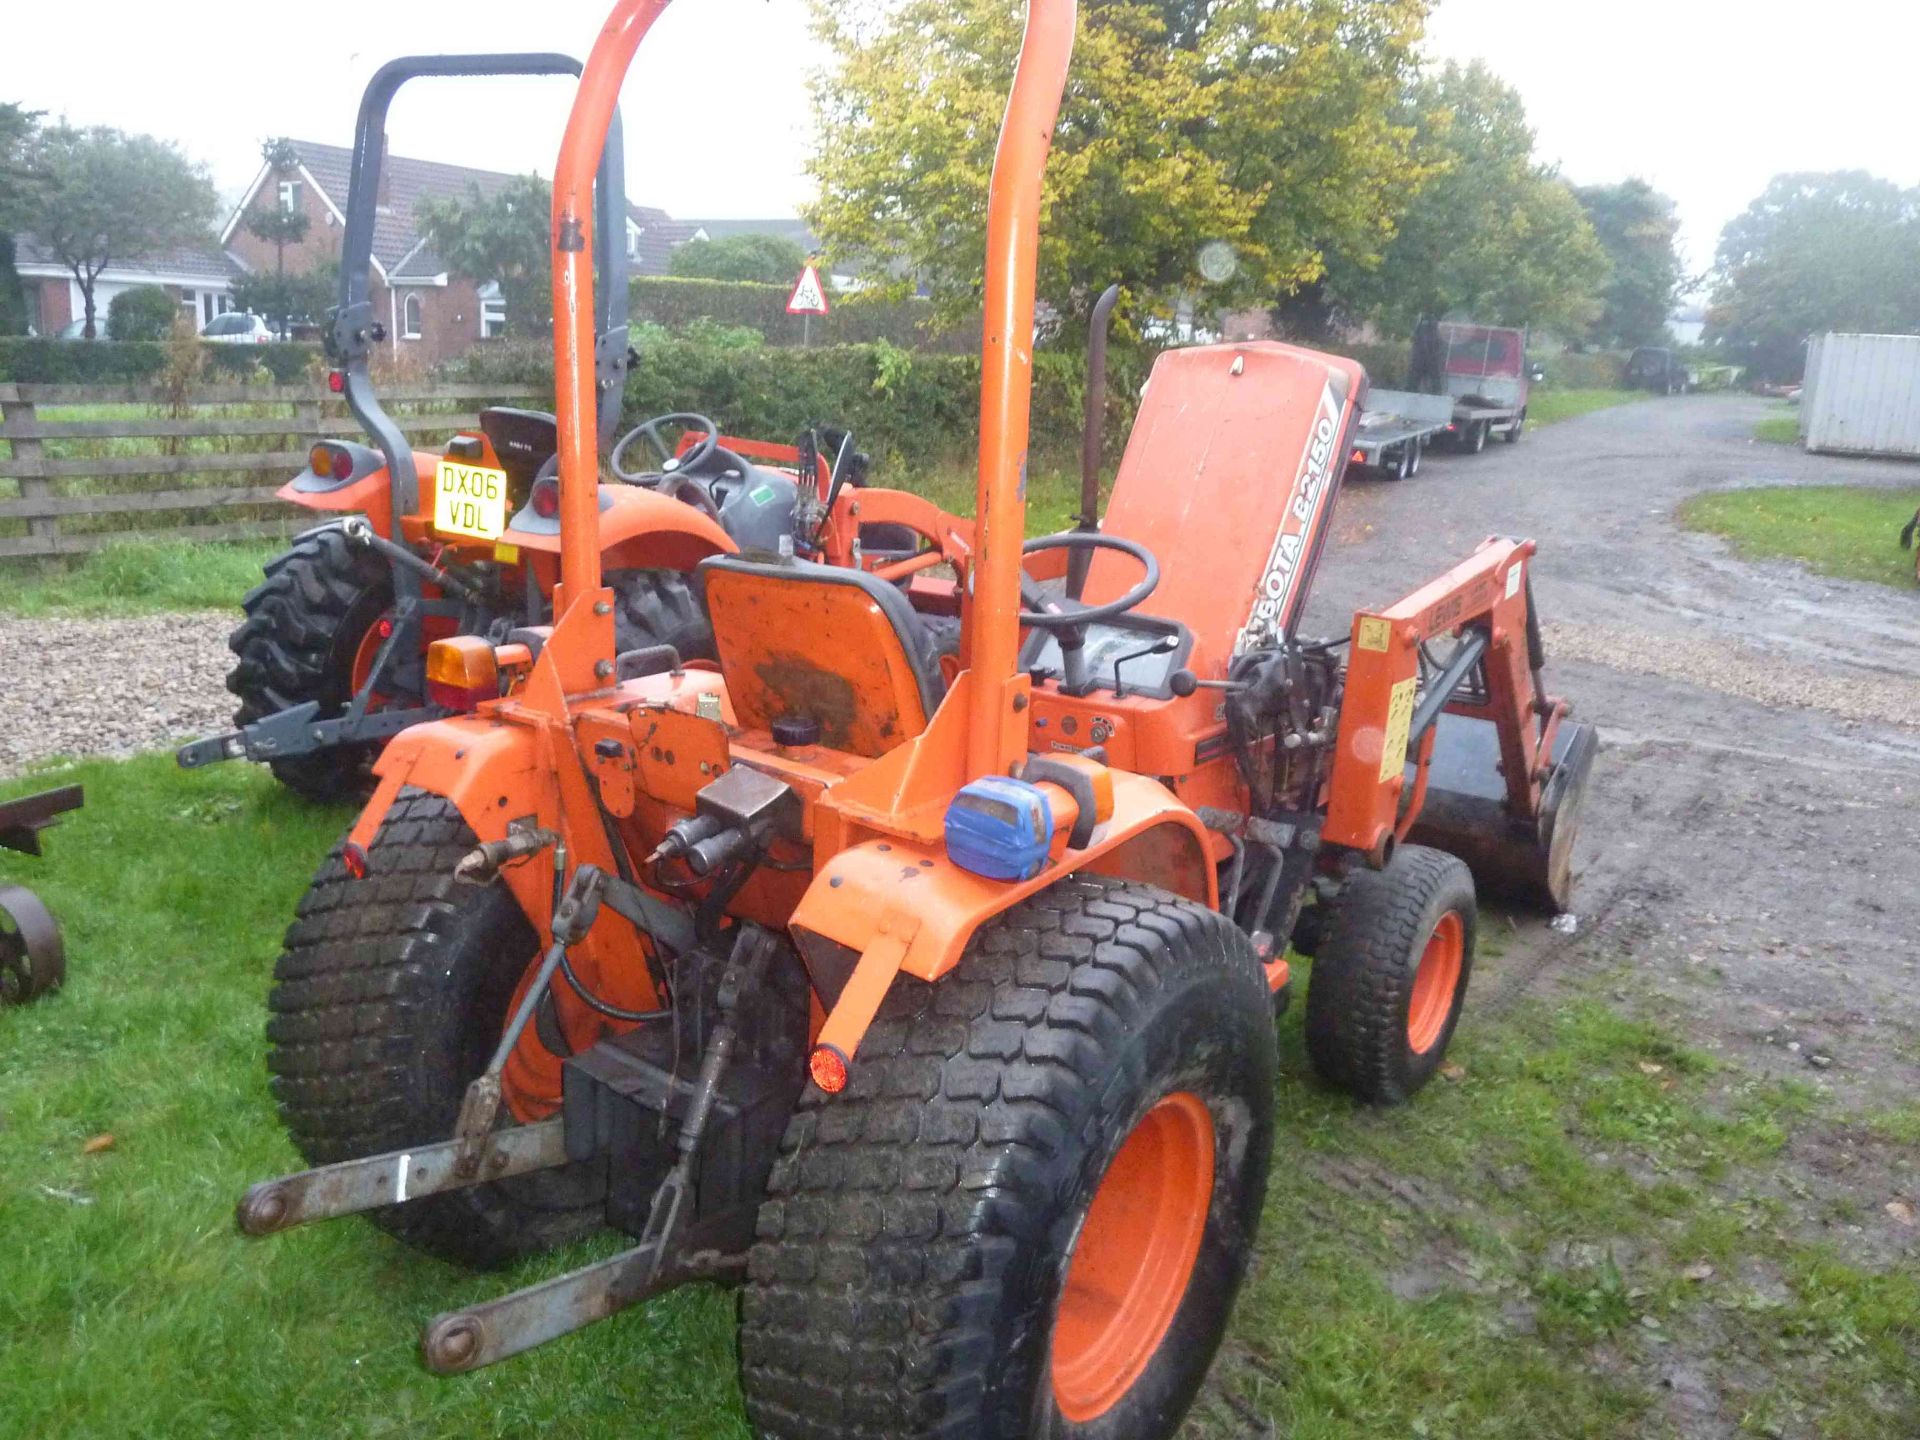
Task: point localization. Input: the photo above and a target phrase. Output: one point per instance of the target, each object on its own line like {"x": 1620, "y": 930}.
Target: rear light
{"x": 545, "y": 498}
{"x": 337, "y": 381}
{"x": 353, "y": 858}
{"x": 330, "y": 462}
{"x": 462, "y": 671}
{"x": 828, "y": 1067}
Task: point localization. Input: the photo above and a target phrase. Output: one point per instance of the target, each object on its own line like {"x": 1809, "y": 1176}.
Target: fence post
{"x": 30, "y": 455}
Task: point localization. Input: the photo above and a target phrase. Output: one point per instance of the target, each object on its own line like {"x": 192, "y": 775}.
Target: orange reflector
{"x": 828, "y": 1068}
{"x": 354, "y": 859}
{"x": 462, "y": 670}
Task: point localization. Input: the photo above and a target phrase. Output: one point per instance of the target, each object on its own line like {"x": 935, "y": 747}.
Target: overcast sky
{"x": 1706, "y": 99}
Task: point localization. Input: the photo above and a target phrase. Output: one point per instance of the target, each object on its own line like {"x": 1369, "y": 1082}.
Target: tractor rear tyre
{"x": 389, "y": 997}
{"x": 658, "y": 607}
{"x": 306, "y": 637}
{"x": 1390, "y": 974}
{"x": 1031, "y": 1209}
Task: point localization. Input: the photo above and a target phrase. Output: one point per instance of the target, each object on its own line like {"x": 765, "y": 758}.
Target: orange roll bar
{"x": 1006, "y": 381}
{"x": 573, "y": 375}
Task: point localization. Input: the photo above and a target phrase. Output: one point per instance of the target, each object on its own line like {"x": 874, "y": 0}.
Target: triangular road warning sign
{"x": 809, "y": 295}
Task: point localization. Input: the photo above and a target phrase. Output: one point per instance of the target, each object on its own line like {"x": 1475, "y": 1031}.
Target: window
{"x": 229, "y": 325}
{"x": 493, "y": 312}
{"x": 289, "y": 194}
{"x": 410, "y": 317}
{"x": 633, "y": 240}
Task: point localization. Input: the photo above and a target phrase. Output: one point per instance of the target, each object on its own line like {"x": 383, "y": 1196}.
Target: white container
{"x": 1862, "y": 395}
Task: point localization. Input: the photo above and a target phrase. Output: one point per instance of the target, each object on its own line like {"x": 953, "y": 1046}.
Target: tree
{"x": 1815, "y": 252}
{"x": 1637, "y": 226}
{"x": 146, "y": 312}
{"x": 16, "y": 129}
{"x": 302, "y": 299}
{"x": 1491, "y": 232}
{"x": 1263, "y": 128}
{"x": 502, "y": 238}
{"x": 773, "y": 259}
{"x": 102, "y": 196}
{"x": 279, "y": 226}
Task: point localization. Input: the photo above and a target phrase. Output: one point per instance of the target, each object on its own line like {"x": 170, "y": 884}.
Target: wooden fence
{"x": 83, "y": 484}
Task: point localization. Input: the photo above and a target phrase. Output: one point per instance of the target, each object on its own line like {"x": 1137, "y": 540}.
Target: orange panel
{"x": 1229, "y": 478}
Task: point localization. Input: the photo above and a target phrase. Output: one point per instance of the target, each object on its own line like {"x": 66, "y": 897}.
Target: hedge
{"x": 133, "y": 362}
{"x": 674, "y": 302}
{"x": 903, "y": 406}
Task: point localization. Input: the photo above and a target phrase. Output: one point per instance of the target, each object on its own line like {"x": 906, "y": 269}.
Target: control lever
{"x": 1184, "y": 682}
{"x": 1165, "y": 645}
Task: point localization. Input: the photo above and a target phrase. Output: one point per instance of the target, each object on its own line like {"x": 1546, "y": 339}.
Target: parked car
{"x": 237, "y": 328}
{"x": 77, "y": 329}
{"x": 1658, "y": 370}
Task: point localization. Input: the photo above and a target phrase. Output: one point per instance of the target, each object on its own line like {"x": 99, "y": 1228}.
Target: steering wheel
{"x": 649, "y": 430}
{"x": 1047, "y": 612}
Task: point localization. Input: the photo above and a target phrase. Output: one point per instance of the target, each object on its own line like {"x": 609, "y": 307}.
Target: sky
{"x": 1705, "y": 99}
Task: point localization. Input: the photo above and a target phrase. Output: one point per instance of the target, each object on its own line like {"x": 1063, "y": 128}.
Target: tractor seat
{"x": 804, "y": 642}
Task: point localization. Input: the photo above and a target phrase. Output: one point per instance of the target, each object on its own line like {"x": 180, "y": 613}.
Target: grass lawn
{"x": 137, "y": 577}
{"x": 1778, "y": 430}
{"x": 1510, "y": 1256}
{"x": 1546, "y": 407}
{"x": 1850, "y": 531}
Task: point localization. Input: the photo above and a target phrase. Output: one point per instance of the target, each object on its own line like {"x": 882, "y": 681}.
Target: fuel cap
{"x": 796, "y": 730}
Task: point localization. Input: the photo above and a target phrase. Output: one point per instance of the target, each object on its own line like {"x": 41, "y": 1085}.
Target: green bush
{"x": 145, "y": 312}
{"x": 140, "y": 362}
{"x": 676, "y": 302}
{"x": 905, "y": 407}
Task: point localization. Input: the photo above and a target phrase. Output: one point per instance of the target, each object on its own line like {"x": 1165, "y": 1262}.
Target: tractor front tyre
{"x": 1390, "y": 973}
{"x": 307, "y": 635}
{"x": 1031, "y": 1209}
{"x": 658, "y": 607}
{"x": 389, "y": 997}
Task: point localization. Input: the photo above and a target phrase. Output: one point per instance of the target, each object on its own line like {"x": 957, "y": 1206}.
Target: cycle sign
{"x": 809, "y": 295}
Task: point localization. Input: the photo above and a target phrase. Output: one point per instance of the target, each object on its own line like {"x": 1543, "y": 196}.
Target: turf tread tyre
{"x": 917, "y": 1225}
{"x": 302, "y": 626}
{"x": 659, "y": 607}
{"x": 1362, "y": 979}
{"x": 387, "y": 998}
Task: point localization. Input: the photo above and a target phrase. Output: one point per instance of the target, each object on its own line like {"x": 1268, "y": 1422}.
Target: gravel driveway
{"x": 110, "y": 687}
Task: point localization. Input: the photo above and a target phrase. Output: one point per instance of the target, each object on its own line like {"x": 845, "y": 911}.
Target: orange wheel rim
{"x": 1135, "y": 1254}
{"x": 366, "y": 653}
{"x": 1435, "y": 982}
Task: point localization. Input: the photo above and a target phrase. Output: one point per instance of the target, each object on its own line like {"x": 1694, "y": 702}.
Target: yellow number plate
{"x": 470, "y": 500}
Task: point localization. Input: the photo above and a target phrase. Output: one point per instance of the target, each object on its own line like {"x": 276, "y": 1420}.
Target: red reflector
{"x": 1359, "y": 457}
{"x": 337, "y": 381}
{"x": 545, "y": 499}
{"x": 828, "y": 1068}
{"x": 384, "y": 629}
{"x": 457, "y": 697}
{"x": 354, "y": 859}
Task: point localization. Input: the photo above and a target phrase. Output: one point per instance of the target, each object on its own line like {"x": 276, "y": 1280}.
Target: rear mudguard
{"x": 370, "y": 495}
{"x": 639, "y": 530}
{"x": 893, "y": 906}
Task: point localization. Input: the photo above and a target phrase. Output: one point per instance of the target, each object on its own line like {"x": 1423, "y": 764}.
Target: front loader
{"x": 933, "y": 1004}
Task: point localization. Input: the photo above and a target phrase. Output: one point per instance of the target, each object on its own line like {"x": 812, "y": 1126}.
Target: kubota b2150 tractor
{"x": 934, "y": 1006}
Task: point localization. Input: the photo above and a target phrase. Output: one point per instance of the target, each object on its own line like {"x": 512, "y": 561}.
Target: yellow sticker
{"x": 1393, "y": 753}
{"x": 1374, "y": 633}
{"x": 506, "y": 554}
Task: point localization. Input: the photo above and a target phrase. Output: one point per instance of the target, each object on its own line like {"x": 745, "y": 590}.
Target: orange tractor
{"x": 330, "y": 658}
{"x": 935, "y": 1005}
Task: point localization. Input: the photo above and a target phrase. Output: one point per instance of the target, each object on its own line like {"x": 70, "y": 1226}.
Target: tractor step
{"x": 354, "y": 1186}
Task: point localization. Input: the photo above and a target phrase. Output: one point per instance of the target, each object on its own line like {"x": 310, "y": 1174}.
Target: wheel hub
{"x": 1129, "y": 1269}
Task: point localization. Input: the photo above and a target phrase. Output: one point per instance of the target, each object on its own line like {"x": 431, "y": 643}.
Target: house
{"x": 200, "y": 277}
{"x": 427, "y": 310}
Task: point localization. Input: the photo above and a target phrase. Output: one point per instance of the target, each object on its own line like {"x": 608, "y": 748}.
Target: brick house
{"x": 199, "y": 277}
{"x": 427, "y": 310}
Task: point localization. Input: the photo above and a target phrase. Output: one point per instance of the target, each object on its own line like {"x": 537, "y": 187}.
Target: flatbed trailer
{"x": 1395, "y": 429}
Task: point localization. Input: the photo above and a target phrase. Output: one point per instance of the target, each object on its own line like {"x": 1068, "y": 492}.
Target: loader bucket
{"x": 1466, "y": 813}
